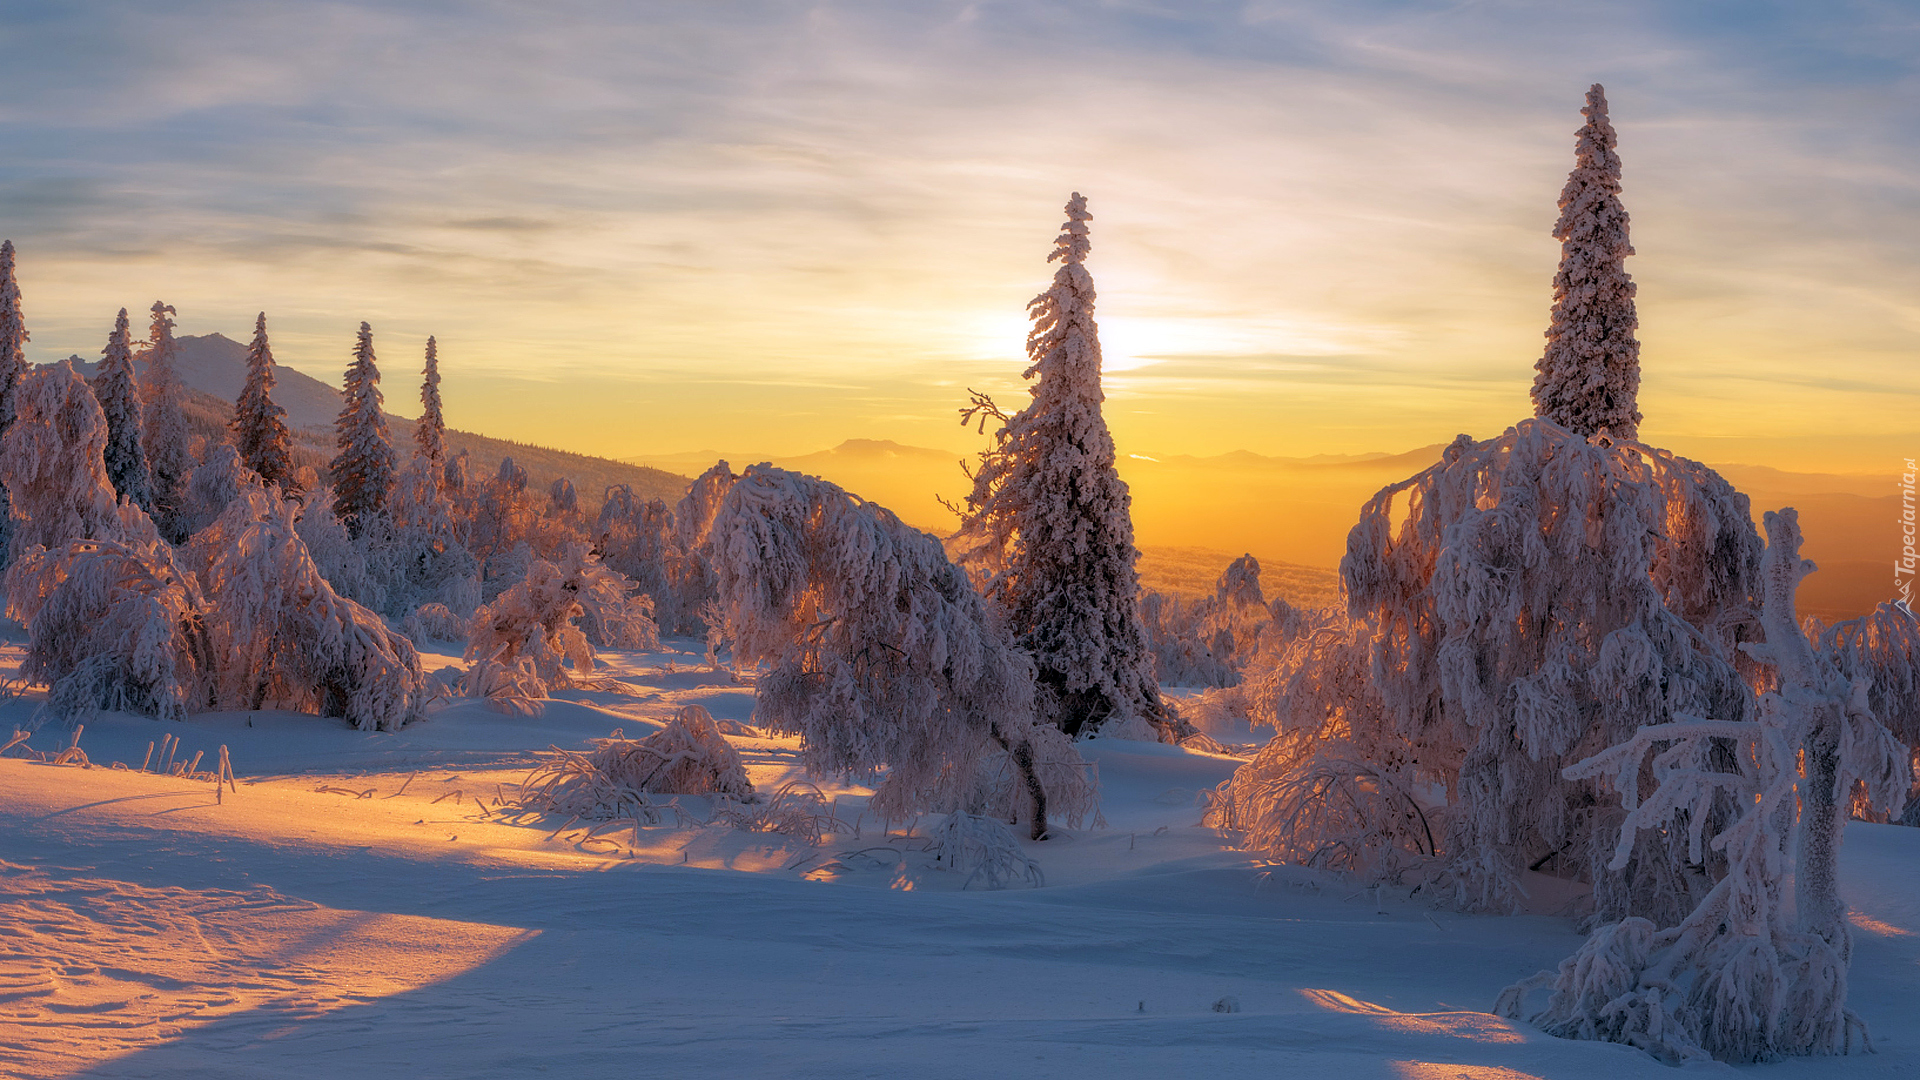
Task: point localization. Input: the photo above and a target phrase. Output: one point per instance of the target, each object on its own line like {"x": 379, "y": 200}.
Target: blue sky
{"x": 649, "y": 227}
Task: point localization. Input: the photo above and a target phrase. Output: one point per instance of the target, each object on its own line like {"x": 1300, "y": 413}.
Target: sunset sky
{"x": 641, "y": 228}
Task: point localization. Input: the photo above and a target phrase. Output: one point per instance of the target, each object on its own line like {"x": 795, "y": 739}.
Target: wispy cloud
{"x": 843, "y": 195}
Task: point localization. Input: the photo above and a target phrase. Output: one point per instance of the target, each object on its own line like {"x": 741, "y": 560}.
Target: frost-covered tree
{"x": 213, "y": 484}
{"x": 13, "y": 368}
{"x": 530, "y": 641}
{"x": 636, "y": 537}
{"x": 430, "y": 431}
{"x": 340, "y": 558}
{"x": 883, "y": 658}
{"x": 112, "y": 623}
{"x": 118, "y": 391}
{"x": 1522, "y": 605}
{"x": 1048, "y": 530}
{"x": 1211, "y": 640}
{"x": 362, "y": 472}
{"x": 164, "y": 432}
{"x": 259, "y": 424}
{"x": 51, "y": 462}
{"x": 501, "y": 520}
{"x": 279, "y": 636}
{"x": 1589, "y": 376}
{"x": 1751, "y": 974}
{"x": 426, "y": 562}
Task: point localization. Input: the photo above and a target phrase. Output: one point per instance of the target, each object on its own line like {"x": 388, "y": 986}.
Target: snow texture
{"x": 882, "y": 657}
{"x": 362, "y": 472}
{"x": 118, "y": 391}
{"x": 259, "y": 424}
{"x": 13, "y": 369}
{"x": 164, "y": 427}
{"x": 1589, "y": 376}
{"x": 1752, "y": 973}
{"x": 1047, "y": 529}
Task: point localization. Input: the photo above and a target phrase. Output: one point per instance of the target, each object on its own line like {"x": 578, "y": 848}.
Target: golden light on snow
{"x": 1474, "y": 1026}
{"x": 145, "y": 966}
{"x": 1437, "y": 1070}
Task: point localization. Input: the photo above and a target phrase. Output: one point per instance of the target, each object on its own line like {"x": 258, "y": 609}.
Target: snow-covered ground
{"x": 371, "y": 905}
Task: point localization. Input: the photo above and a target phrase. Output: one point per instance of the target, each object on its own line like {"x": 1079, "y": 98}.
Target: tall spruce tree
{"x": 165, "y": 427}
{"x": 1048, "y": 526}
{"x": 259, "y": 423}
{"x": 430, "y": 433}
{"x": 119, "y": 393}
{"x": 1589, "y": 376}
{"x": 363, "y": 470}
{"x": 13, "y": 368}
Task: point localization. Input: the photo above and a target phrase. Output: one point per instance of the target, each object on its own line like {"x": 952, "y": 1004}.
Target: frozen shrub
{"x": 687, "y": 757}
{"x": 983, "y": 849}
{"x": 434, "y": 622}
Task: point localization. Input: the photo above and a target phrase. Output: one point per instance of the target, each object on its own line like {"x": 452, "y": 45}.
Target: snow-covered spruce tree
{"x": 118, "y": 391}
{"x": 1589, "y": 376}
{"x": 259, "y": 424}
{"x": 164, "y": 431}
{"x": 362, "y": 472}
{"x": 883, "y": 658}
{"x": 280, "y": 637}
{"x": 13, "y": 368}
{"x": 1047, "y": 529}
{"x": 430, "y": 431}
{"x": 51, "y": 463}
{"x": 1749, "y": 975}
{"x": 1532, "y": 600}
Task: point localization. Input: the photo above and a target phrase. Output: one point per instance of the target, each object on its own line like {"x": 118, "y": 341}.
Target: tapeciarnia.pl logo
{"x": 1903, "y": 567}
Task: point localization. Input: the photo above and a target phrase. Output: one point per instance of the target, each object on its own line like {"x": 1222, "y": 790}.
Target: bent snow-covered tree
{"x": 883, "y": 658}
{"x": 530, "y": 640}
{"x": 280, "y": 637}
{"x": 164, "y": 428}
{"x": 13, "y": 368}
{"x": 1751, "y": 973}
{"x": 1522, "y": 605}
{"x": 362, "y": 472}
{"x": 259, "y": 423}
{"x": 51, "y": 463}
{"x": 118, "y": 391}
{"x": 1589, "y": 376}
{"x": 1047, "y": 529}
